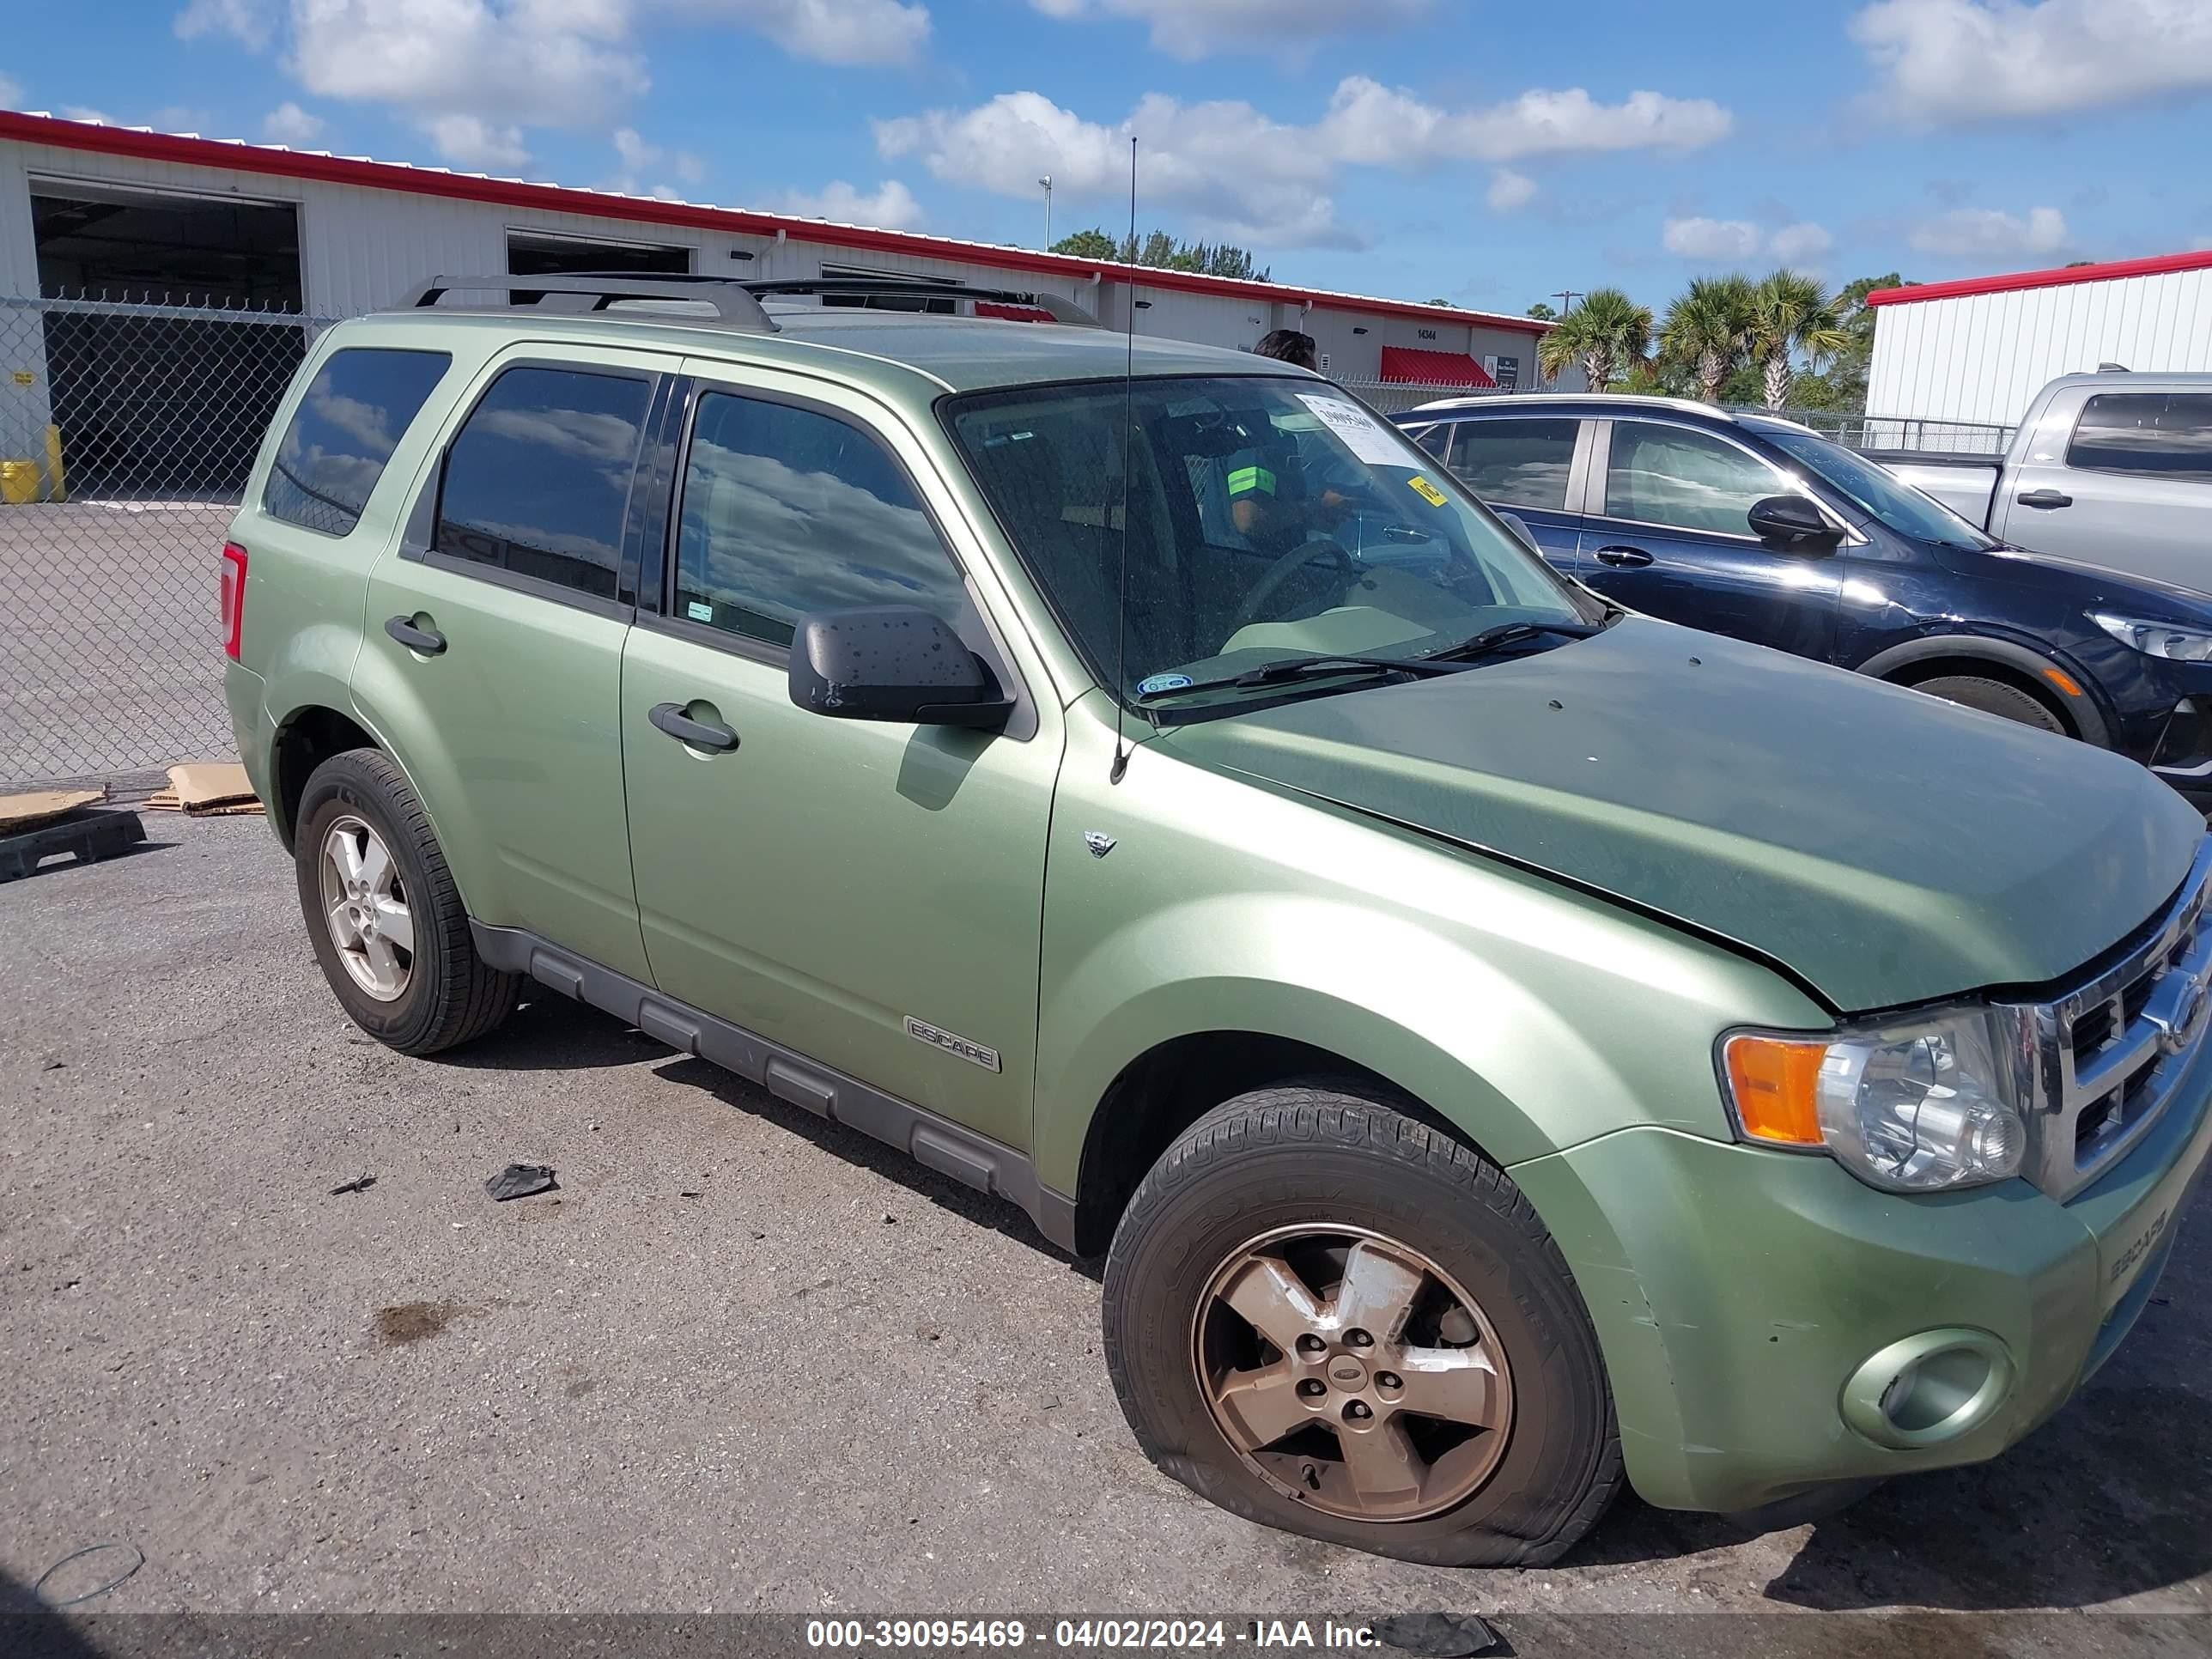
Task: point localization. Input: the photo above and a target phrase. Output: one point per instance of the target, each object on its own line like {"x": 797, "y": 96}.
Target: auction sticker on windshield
{"x": 1363, "y": 434}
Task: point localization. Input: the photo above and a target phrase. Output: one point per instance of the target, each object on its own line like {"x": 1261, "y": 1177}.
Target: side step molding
{"x": 936, "y": 1142}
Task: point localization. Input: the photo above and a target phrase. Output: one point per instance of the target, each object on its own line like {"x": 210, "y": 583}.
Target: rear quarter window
{"x": 2167, "y": 434}
{"x": 357, "y": 408}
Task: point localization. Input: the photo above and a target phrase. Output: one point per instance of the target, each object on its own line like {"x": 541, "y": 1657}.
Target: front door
{"x": 1674, "y": 539}
{"x": 493, "y": 660}
{"x": 844, "y": 888}
{"x": 2131, "y": 488}
{"x": 1522, "y": 465}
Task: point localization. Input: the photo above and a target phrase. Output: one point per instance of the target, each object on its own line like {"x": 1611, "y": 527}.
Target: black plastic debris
{"x": 520, "y": 1181}
{"x": 360, "y": 1183}
{"x": 88, "y": 836}
{"x": 1436, "y": 1635}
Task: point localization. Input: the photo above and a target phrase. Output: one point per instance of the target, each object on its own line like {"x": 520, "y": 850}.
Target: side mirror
{"x": 1518, "y": 525}
{"x": 891, "y": 662}
{"x": 1792, "y": 520}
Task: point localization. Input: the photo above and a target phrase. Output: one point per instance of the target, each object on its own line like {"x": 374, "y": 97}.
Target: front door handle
{"x": 2044, "y": 498}
{"x": 1625, "y": 558}
{"x": 700, "y": 734}
{"x": 428, "y": 641}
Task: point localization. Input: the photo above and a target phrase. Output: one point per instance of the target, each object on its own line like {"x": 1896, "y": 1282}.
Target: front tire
{"x": 1324, "y": 1315}
{"x": 1998, "y": 697}
{"x": 383, "y": 913}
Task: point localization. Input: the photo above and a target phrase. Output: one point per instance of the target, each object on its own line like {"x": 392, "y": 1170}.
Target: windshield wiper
{"x": 1498, "y": 636}
{"x": 1298, "y": 668}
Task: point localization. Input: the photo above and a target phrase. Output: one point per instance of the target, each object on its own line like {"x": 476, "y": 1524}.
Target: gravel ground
{"x": 742, "y": 1359}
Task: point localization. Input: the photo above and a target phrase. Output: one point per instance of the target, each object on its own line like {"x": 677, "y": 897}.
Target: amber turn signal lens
{"x": 1776, "y": 1086}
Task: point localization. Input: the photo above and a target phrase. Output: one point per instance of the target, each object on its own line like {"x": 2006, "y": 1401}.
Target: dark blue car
{"x": 1756, "y": 527}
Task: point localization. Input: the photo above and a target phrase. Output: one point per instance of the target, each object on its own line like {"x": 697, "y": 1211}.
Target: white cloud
{"x": 1711, "y": 239}
{"x": 1509, "y": 190}
{"x": 1192, "y": 28}
{"x": 1736, "y": 242}
{"x": 249, "y": 21}
{"x": 1238, "y": 173}
{"x": 11, "y": 91}
{"x": 1988, "y": 233}
{"x": 1938, "y": 61}
{"x": 287, "y": 124}
{"x": 470, "y": 141}
{"x": 640, "y": 158}
{"x": 889, "y": 206}
{"x": 1377, "y": 125}
{"x": 1800, "y": 244}
{"x": 827, "y": 31}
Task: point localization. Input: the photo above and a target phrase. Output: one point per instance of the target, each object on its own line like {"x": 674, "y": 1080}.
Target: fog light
{"x": 1928, "y": 1389}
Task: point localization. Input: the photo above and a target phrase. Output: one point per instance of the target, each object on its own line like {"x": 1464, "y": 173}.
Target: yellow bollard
{"x": 57, "y": 486}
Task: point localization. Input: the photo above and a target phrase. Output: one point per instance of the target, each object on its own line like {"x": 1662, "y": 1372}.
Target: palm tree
{"x": 1706, "y": 329}
{"x": 1604, "y": 333}
{"x": 1789, "y": 313}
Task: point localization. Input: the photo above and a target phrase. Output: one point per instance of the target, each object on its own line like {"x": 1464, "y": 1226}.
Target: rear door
{"x": 1670, "y": 536}
{"x": 1525, "y": 465}
{"x": 492, "y": 665}
{"x": 2127, "y": 483}
{"x": 832, "y": 884}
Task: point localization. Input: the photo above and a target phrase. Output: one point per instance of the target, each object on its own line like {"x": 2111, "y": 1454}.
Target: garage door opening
{"x": 160, "y": 383}
{"x": 539, "y": 255}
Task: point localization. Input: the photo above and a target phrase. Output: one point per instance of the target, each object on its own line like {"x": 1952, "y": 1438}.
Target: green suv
{"x": 1503, "y": 1045}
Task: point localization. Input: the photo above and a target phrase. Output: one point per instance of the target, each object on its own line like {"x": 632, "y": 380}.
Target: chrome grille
{"x": 2102, "y": 1059}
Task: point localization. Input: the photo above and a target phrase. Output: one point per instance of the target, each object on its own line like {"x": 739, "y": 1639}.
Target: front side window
{"x": 1670, "y": 474}
{"x": 538, "y": 479}
{"x": 2167, "y": 435}
{"x": 787, "y": 511}
{"x": 358, "y": 407}
{"x": 1265, "y": 520}
{"x": 1517, "y": 463}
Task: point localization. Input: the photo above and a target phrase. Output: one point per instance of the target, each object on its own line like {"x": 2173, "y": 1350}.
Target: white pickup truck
{"x": 2112, "y": 468}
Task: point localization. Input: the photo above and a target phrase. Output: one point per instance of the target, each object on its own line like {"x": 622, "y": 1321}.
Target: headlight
{"x": 1920, "y": 1105}
{"x": 2156, "y": 639}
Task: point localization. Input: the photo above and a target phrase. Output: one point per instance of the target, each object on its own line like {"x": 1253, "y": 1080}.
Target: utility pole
{"x": 1047, "y": 182}
{"x": 1567, "y": 297}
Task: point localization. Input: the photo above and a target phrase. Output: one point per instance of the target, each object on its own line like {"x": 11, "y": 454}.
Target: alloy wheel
{"x": 365, "y": 905}
{"x": 1352, "y": 1373}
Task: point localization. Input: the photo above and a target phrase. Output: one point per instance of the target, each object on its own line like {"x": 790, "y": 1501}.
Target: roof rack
{"x": 922, "y": 287}
{"x": 734, "y": 308}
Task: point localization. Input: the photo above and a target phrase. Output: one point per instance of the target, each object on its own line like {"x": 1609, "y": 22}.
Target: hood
{"x": 2076, "y": 582}
{"x": 1885, "y": 847}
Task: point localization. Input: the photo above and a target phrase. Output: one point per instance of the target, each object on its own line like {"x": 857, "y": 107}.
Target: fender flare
{"x": 2085, "y": 711}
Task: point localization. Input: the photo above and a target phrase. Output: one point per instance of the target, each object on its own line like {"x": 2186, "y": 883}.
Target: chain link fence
{"x": 1896, "y": 432}
{"x": 126, "y": 434}
{"x": 1394, "y": 397}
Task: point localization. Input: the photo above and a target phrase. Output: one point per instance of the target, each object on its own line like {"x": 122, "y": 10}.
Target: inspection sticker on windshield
{"x": 1427, "y": 491}
{"x": 1159, "y": 683}
{"x": 1362, "y": 433}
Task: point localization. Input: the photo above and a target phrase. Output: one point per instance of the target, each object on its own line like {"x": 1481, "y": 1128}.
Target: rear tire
{"x": 1998, "y": 697}
{"x": 383, "y": 913}
{"x": 1380, "y": 1221}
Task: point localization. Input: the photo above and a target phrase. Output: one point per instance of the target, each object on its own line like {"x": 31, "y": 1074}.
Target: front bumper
{"x": 1736, "y": 1292}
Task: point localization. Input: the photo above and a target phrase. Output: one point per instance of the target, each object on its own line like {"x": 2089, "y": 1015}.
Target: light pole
{"x": 1047, "y": 182}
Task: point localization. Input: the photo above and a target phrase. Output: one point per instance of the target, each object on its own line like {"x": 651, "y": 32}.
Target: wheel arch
{"x": 2007, "y": 660}
{"x": 305, "y": 739}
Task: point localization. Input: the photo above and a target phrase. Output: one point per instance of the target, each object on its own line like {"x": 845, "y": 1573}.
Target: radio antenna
{"x": 1129, "y": 456}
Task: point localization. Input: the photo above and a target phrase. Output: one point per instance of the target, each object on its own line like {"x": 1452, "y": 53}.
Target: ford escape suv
{"x": 1504, "y": 1045}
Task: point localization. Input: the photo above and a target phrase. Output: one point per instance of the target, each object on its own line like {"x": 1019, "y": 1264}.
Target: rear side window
{"x": 538, "y": 478}
{"x": 787, "y": 511}
{"x": 358, "y": 407}
{"x": 1515, "y": 463}
{"x": 1667, "y": 475}
{"x": 2165, "y": 434}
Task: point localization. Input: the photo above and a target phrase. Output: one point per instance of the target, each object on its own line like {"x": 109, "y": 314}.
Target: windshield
{"x": 1874, "y": 490}
{"x": 1268, "y": 519}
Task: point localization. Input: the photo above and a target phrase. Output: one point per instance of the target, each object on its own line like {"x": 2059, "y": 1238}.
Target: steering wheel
{"x": 1281, "y": 571}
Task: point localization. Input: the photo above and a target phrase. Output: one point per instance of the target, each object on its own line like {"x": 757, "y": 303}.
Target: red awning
{"x": 1410, "y": 366}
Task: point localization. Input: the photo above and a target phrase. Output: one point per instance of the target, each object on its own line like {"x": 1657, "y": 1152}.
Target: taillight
{"x": 233, "y": 597}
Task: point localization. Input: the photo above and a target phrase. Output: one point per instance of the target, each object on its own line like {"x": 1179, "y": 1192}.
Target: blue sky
{"x": 1474, "y": 151}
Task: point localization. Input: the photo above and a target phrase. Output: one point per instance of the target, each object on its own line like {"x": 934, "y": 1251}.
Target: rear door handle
{"x": 1623, "y": 557}
{"x": 428, "y": 641}
{"x": 700, "y": 734}
{"x": 2044, "y": 498}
